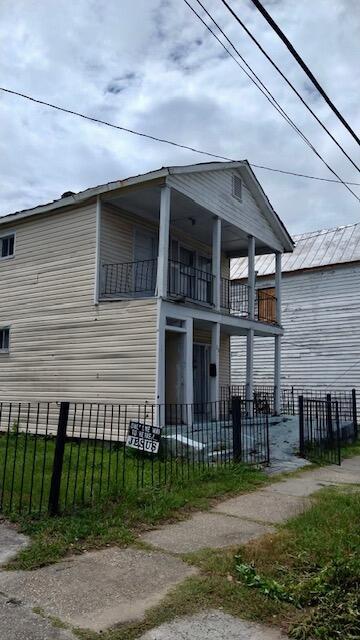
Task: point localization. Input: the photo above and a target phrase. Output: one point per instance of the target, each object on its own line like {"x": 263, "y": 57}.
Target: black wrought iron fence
{"x": 320, "y": 430}
{"x": 55, "y": 457}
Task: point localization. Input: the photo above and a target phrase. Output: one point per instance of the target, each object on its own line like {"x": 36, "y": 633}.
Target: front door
{"x": 201, "y": 360}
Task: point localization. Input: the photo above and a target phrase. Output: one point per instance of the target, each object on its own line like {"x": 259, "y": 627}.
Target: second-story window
{"x": 7, "y": 245}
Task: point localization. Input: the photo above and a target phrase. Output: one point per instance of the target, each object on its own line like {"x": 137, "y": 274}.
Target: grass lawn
{"x": 118, "y": 521}
{"x": 305, "y": 578}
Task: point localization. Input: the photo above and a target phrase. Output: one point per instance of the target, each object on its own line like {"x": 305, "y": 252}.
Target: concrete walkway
{"x": 98, "y": 589}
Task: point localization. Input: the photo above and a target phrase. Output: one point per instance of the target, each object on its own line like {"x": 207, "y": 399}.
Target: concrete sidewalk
{"x": 98, "y": 589}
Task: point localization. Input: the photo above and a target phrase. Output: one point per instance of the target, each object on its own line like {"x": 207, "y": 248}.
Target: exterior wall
{"x": 213, "y": 191}
{"x": 61, "y": 345}
{"x": 321, "y": 345}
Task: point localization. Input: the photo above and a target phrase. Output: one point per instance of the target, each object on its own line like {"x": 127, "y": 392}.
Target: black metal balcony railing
{"x": 138, "y": 279}
{"x": 234, "y": 297}
{"x": 185, "y": 281}
{"x": 129, "y": 279}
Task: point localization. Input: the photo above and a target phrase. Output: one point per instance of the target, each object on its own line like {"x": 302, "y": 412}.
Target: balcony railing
{"x": 235, "y": 297}
{"x": 190, "y": 283}
{"x": 138, "y": 279}
{"x": 129, "y": 279}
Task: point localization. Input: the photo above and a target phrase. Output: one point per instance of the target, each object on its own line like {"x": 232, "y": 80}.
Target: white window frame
{"x": 6, "y": 328}
{"x": 2, "y": 237}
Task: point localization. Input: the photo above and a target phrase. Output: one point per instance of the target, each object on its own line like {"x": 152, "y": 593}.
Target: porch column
{"x": 189, "y": 370}
{"x": 216, "y": 261}
{"x": 97, "y": 287}
{"x": 251, "y": 312}
{"x": 163, "y": 256}
{"x": 215, "y": 360}
{"x": 160, "y": 365}
{"x": 277, "y": 355}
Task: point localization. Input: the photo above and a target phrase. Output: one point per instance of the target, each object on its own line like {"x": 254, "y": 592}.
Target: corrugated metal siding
{"x": 62, "y": 346}
{"x": 321, "y": 345}
{"x": 213, "y": 191}
{"x": 312, "y": 249}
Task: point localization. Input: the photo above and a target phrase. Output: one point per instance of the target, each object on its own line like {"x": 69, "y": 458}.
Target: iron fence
{"x": 55, "y": 457}
{"x": 319, "y": 429}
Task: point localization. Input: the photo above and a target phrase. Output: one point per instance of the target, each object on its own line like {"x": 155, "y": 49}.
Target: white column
{"x": 251, "y": 276}
{"x": 277, "y": 355}
{"x": 216, "y": 261}
{"x": 160, "y": 364}
{"x": 215, "y": 359}
{"x": 249, "y": 364}
{"x": 189, "y": 371}
{"x": 97, "y": 285}
{"x": 250, "y": 332}
{"x": 163, "y": 257}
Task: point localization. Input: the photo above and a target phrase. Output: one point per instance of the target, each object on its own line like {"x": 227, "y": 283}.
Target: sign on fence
{"x": 144, "y": 437}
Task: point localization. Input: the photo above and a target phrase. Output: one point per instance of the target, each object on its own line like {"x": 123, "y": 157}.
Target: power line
{"x": 264, "y": 90}
{"x": 165, "y": 141}
{"x": 292, "y": 87}
{"x": 304, "y": 67}
{"x": 271, "y": 99}
{"x": 313, "y": 113}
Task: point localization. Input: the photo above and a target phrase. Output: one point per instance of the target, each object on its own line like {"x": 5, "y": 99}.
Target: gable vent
{"x": 237, "y": 187}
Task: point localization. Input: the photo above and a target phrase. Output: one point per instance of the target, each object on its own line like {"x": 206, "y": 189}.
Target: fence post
{"x": 58, "y": 459}
{"x": 329, "y": 422}
{"x": 338, "y": 435}
{"x": 236, "y": 419}
{"x": 301, "y": 426}
{"x": 354, "y": 412}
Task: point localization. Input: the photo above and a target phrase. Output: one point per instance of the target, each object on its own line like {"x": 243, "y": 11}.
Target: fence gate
{"x": 319, "y": 430}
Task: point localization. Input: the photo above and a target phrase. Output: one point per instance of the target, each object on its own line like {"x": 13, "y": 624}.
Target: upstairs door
{"x": 187, "y": 273}
{"x": 145, "y": 264}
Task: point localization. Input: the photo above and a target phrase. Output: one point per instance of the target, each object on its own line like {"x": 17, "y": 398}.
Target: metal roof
{"x": 312, "y": 249}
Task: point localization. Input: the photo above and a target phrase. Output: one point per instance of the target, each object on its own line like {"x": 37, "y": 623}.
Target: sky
{"x": 150, "y": 65}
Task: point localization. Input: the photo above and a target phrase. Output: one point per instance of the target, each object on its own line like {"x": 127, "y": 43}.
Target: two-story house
{"x": 122, "y": 294}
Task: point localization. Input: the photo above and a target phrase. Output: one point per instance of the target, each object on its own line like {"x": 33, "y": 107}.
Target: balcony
{"x": 185, "y": 283}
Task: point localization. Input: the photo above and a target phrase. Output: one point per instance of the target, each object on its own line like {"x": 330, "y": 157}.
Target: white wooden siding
{"x": 321, "y": 345}
{"x": 213, "y": 191}
{"x": 62, "y": 346}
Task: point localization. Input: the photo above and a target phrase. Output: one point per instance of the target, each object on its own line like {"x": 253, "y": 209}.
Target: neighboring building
{"x": 121, "y": 293}
{"x": 320, "y": 312}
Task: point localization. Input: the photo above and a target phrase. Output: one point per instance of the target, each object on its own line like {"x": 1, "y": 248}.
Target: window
{"x": 4, "y": 340}
{"x": 266, "y": 301}
{"x": 7, "y": 244}
{"x": 237, "y": 187}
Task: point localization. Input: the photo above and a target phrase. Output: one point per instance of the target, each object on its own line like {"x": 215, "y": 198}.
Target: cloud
{"x": 150, "y": 65}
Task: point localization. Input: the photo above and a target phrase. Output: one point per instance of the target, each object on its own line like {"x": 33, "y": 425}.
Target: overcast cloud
{"x": 150, "y": 65}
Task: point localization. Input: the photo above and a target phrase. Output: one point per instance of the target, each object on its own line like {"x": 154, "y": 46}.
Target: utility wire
{"x": 289, "y": 83}
{"x": 165, "y": 141}
{"x": 271, "y": 99}
{"x": 262, "y": 87}
{"x": 304, "y": 67}
{"x": 248, "y": 66}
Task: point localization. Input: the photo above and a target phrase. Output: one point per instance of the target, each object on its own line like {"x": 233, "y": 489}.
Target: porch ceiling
{"x": 186, "y": 215}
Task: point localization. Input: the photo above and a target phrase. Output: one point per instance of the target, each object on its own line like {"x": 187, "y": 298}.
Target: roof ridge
{"x": 314, "y": 234}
